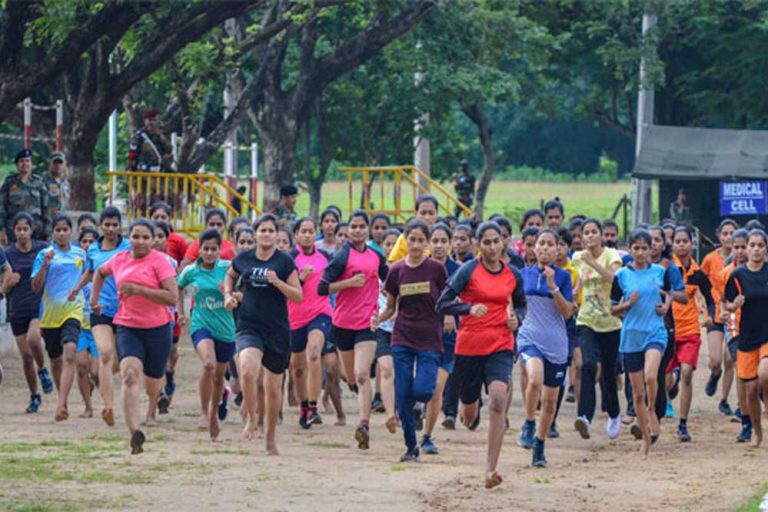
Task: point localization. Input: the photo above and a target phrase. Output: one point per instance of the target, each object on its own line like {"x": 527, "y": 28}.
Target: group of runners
{"x": 416, "y": 322}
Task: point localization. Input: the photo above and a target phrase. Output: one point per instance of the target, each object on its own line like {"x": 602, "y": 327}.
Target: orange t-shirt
{"x": 687, "y": 316}
{"x": 712, "y": 266}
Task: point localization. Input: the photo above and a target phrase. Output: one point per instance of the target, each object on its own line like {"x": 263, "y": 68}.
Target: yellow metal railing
{"x": 189, "y": 196}
{"x": 391, "y": 179}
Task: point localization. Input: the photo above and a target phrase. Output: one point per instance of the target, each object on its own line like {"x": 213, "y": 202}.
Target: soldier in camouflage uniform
{"x": 465, "y": 187}
{"x": 285, "y": 208}
{"x": 23, "y": 192}
{"x": 57, "y": 185}
{"x": 149, "y": 151}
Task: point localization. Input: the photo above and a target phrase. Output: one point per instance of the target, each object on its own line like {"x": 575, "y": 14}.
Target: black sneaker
{"x": 553, "y": 432}
{"x": 636, "y": 431}
{"x": 682, "y": 434}
{"x": 570, "y": 397}
{"x": 538, "y": 459}
{"x": 313, "y": 417}
{"x": 418, "y": 417}
{"x": 449, "y": 423}
{"x": 304, "y": 411}
{"x": 34, "y": 403}
{"x": 745, "y": 435}
{"x": 363, "y": 437}
{"x": 527, "y": 434}
{"x": 239, "y": 399}
{"x": 725, "y": 408}
{"x": 711, "y": 386}
{"x": 163, "y": 403}
{"x": 137, "y": 442}
{"x": 736, "y": 418}
{"x": 675, "y": 389}
{"x": 475, "y": 423}
{"x": 377, "y": 405}
{"x": 411, "y": 455}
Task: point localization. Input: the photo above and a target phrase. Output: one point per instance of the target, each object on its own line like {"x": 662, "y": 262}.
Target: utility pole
{"x": 642, "y": 207}
{"x": 421, "y": 148}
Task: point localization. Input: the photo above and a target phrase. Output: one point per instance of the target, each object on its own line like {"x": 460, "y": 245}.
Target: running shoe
{"x": 224, "y": 404}
{"x": 636, "y": 431}
{"x": 670, "y": 413}
{"x": 377, "y": 405}
{"x": 239, "y": 399}
{"x": 711, "y": 386}
{"x": 675, "y": 389}
{"x": 613, "y": 427}
{"x": 35, "y": 401}
{"x": 163, "y": 403}
{"x": 45, "y": 380}
{"x": 475, "y": 423}
{"x": 571, "y": 396}
{"x": 725, "y": 408}
{"x": 449, "y": 423}
{"x": 682, "y": 433}
{"x": 745, "y": 435}
{"x": 170, "y": 385}
{"x": 137, "y": 442}
{"x": 418, "y": 417}
{"x": 304, "y": 411}
{"x": 736, "y": 418}
{"x": 527, "y": 433}
{"x": 429, "y": 446}
{"x": 411, "y": 455}
{"x": 313, "y": 417}
{"x": 553, "y": 432}
{"x": 583, "y": 427}
{"x": 363, "y": 437}
{"x": 538, "y": 459}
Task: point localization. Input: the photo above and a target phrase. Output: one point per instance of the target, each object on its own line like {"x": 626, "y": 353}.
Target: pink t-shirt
{"x": 313, "y": 303}
{"x": 137, "y": 311}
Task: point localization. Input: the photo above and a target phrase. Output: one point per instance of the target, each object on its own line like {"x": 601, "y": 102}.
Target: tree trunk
{"x": 485, "y": 135}
{"x": 279, "y": 143}
{"x": 81, "y": 176}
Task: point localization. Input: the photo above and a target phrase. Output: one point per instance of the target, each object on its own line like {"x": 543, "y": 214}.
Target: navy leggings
{"x": 415, "y": 380}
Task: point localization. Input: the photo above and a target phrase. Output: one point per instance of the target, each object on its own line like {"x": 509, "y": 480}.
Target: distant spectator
{"x": 23, "y": 192}
{"x": 57, "y": 184}
{"x": 679, "y": 210}
{"x": 285, "y": 211}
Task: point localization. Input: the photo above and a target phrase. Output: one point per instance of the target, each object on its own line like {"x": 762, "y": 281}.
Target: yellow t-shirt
{"x": 400, "y": 250}
{"x": 574, "y": 280}
{"x": 595, "y": 311}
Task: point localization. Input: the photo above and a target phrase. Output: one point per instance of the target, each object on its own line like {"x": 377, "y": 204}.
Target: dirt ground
{"x": 84, "y": 465}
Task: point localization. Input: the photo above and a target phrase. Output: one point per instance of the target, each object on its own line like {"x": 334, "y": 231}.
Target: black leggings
{"x": 661, "y": 395}
{"x": 603, "y": 348}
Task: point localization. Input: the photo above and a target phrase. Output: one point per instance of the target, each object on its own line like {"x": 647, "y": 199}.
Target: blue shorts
{"x": 150, "y": 346}
{"x": 224, "y": 350}
{"x": 449, "y": 345}
{"x": 554, "y": 374}
{"x": 299, "y": 337}
{"x": 471, "y": 372}
{"x": 86, "y": 342}
{"x": 635, "y": 361}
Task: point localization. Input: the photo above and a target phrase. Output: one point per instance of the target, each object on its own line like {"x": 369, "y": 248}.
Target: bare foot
{"x": 492, "y": 479}
{"x": 645, "y": 446}
{"x": 757, "y": 439}
{"x": 88, "y": 413}
{"x": 151, "y": 421}
{"x": 203, "y": 423}
{"x": 340, "y": 421}
{"x": 248, "y": 431}
{"x": 61, "y": 414}
{"x": 272, "y": 450}
{"x": 213, "y": 428}
{"x": 108, "y": 415}
{"x": 392, "y": 424}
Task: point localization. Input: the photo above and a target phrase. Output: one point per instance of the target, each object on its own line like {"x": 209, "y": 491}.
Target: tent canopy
{"x": 702, "y": 153}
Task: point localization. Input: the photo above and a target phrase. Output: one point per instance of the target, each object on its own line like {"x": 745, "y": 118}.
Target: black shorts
{"x": 346, "y": 339}
{"x": 733, "y": 347}
{"x": 20, "y": 324}
{"x": 554, "y": 374}
{"x": 102, "y": 320}
{"x": 69, "y": 332}
{"x": 715, "y": 327}
{"x": 635, "y": 361}
{"x": 383, "y": 343}
{"x": 471, "y": 372}
{"x": 151, "y": 346}
{"x": 299, "y": 337}
{"x": 275, "y": 350}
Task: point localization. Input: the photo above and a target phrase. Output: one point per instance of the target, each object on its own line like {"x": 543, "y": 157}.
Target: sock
{"x": 683, "y": 422}
{"x": 304, "y": 404}
{"x": 746, "y": 420}
{"x": 312, "y": 404}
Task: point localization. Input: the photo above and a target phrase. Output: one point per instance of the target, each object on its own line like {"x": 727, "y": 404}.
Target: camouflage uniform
{"x": 465, "y": 190}
{"x": 58, "y": 194}
{"x": 31, "y": 197}
{"x": 284, "y": 216}
{"x": 149, "y": 153}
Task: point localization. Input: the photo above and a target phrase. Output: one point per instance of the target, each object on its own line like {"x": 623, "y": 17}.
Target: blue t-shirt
{"x": 641, "y": 325}
{"x": 63, "y": 274}
{"x": 97, "y": 257}
{"x": 544, "y": 326}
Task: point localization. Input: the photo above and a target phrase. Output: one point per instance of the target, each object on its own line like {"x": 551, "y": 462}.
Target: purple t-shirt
{"x": 416, "y": 290}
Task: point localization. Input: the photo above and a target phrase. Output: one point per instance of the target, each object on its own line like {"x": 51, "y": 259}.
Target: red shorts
{"x": 686, "y": 351}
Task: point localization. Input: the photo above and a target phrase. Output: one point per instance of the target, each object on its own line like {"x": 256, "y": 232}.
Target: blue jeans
{"x": 413, "y": 386}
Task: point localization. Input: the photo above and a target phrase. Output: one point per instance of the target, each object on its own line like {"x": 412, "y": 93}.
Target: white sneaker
{"x": 583, "y": 427}
{"x": 613, "y": 427}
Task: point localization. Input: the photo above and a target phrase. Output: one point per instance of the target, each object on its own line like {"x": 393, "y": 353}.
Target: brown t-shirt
{"x": 417, "y": 326}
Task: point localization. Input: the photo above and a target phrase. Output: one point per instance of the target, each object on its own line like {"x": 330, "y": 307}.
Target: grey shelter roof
{"x": 702, "y": 153}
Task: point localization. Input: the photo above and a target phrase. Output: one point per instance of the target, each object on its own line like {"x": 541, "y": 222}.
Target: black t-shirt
{"x": 22, "y": 301}
{"x": 753, "y": 327}
{"x": 264, "y": 308}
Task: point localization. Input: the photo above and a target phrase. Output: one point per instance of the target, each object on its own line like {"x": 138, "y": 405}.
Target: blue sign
{"x": 743, "y": 198}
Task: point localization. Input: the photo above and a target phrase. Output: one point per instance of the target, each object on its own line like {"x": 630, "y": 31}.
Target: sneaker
{"x": 377, "y": 405}
{"x": 475, "y": 423}
{"x": 711, "y": 386}
{"x": 725, "y": 408}
{"x": 670, "y": 413}
{"x": 363, "y": 437}
{"x": 527, "y": 433}
{"x": 538, "y": 459}
{"x": 675, "y": 389}
{"x": 583, "y": 427}
{"x": 304, "y": 412}
{"x": 45, "y": 380}
{"x": 34, "y": 403}
{"x": 418, "y": 417}
{"x": 224, "y": 404}
{"x": 449, "y": 423}
{"x": 613, "y": 427}
{"x": 745, "y": 435}
{"x": 682, "y": 434}
{"x": 137, "y": 442}
{"x": 553, "y": 432}
{"x": 429, "y": 446}
{"x": 239, "y": 399}
{"x": 736, "y": 418}
{"x": 170, "y": 386}
{"x": 411, "y": 455}
{"x": 570, "y": 397}
{"x": 163, "y": 403}
{"x": 313, "y": 417}
{"x": 636, "y": 431}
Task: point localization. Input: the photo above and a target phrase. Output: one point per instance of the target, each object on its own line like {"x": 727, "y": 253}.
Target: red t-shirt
{"x": 193, "y": 251}
{"x": 177, "y": 246}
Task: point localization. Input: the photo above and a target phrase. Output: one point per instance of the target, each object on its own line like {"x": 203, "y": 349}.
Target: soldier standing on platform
{"x": 23, "y": 192}
{"x": 149, "y": 151}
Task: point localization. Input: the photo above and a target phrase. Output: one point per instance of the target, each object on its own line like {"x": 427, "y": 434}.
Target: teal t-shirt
{"x": 209, "y": 311}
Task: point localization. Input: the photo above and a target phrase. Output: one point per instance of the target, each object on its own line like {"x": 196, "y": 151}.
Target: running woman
{"x": 462, "y": 244}
{"x": 413, "y": 286}
{"x": 212, "y": 327}
{"x": 215, "y": 218}
{"x": 531, "y": 219}
{"x": 747, "y": 290}
{"x": 263, "y": 331}
{"x": 177, "y": 244}
{"x": 146, "y": 282}
{"x": 109, "y": 244}
{"x": 687, "y": 327}
{"x": 284, "y": 239}
{"x": 492, "y": 302}
{"x": 87, "y": 358}
{"x": 598, "y": 331}
{"x": 380, "y": 223}
{"x": 310, "y": 324}
{"x": 426, "y": 210}
{"x": 720, "y": 363}
{"x": 354, "y": 275}
{"x": 24, "y": 307}
{"x": 554, "y": 213}
{"x": 543, "y": 341}
{"x": 640, "y": 294}
{"x": 56, "y": 271}
{"x": 329, "y": 227}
